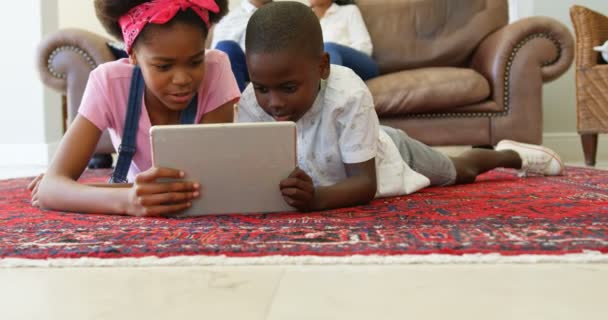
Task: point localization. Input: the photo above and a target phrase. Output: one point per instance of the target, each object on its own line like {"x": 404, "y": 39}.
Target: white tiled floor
{"x": 502, "y": 291}
{"x": 305, "y": 293}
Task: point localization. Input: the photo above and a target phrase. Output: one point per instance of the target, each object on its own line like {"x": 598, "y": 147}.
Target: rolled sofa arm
{"x": 517, "y": 59}
{"x": 65, "y": 59}
{"x": 539, "y": 42}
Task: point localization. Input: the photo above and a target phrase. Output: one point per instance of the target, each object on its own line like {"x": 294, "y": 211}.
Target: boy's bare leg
{"x": 474, "y": 162}
{"x": 528, "y": 158}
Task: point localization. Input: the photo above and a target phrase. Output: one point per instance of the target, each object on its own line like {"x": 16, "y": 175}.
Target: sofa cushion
{"x": 410, "y": 34}
{"x": 427, "y": 90}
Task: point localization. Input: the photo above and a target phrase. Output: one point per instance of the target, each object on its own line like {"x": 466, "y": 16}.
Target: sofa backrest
{"x": 415, "y": 33}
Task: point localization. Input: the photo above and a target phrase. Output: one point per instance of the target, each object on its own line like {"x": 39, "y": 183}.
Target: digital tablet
{"x": 239, "y": 165}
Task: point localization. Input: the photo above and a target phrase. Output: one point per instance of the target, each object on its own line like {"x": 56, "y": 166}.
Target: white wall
{"x": 78, "y": 14}
{"x": 30, "y": 122}
{"x": 520, "y": 9}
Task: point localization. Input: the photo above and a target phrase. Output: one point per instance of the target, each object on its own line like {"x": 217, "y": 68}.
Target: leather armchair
{"x": 454, "y": 72}
{"x": 65, "y": 60}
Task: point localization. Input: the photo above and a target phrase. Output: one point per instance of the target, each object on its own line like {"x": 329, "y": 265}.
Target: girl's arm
{"x": 59, "y": 189}
{"x": 359, "y": 188}
{"x": 358, "y": 32}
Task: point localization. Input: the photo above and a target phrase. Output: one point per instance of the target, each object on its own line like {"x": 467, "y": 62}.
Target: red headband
{"x": 160, "y": 12}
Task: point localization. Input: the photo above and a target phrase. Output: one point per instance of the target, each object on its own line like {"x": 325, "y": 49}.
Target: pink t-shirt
{"x": 104, "y": 102}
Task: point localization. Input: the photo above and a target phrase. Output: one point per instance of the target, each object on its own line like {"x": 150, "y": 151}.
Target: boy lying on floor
{"x": 345, "y": 157}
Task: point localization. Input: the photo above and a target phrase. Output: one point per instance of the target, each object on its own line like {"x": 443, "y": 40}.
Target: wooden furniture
{"x": 591, "y": 29}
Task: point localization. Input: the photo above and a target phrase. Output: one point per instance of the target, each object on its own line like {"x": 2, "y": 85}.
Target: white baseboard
{"x": 27, "y": 154}
{"x": 568, "y": 146}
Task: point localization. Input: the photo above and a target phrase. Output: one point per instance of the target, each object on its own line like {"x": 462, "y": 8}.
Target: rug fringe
{"x": 493, "y": 258}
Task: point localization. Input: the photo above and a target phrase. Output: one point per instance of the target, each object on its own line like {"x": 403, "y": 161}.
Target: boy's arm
{"x": 359, "y": 188}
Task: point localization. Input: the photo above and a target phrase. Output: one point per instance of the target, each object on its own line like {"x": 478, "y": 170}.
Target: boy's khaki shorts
{"x": 423, "y": 159}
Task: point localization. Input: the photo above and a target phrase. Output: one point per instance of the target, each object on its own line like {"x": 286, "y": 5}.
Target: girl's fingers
{"x": 167, "y": 198}
{"x": 34, "y": 197}
{"x": 35, "y": 190}
{"x": 35, "y": 182}
{"x": 166, "y": 187}
{"x": 155, "y": 173}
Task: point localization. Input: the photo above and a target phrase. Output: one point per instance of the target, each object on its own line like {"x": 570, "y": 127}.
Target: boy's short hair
{"x": 284, "y": 26}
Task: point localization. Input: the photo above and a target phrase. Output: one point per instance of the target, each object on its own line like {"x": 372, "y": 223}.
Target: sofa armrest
{"x": 533, "y": 48}
{"x": 65, "y": 59}
{"x": 517, "y": 59}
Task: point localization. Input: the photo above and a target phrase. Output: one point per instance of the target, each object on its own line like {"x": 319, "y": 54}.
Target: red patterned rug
{"x": 498, "y": 216}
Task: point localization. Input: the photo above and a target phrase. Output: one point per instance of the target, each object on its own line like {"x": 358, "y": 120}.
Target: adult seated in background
{"x": 229, "y": 37}
{"x": 346, "y": 37}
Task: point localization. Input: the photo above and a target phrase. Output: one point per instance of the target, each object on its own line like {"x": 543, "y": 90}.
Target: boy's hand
{"x": 148, "y": 197}
{"x": 33, "y": 188}
{"x": 298, "y": 190}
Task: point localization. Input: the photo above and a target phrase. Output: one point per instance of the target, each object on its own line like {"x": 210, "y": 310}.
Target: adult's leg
{"x": 335, "y": 53}
{"x": 363, "y": 65}
{"x": 238, "y": 62}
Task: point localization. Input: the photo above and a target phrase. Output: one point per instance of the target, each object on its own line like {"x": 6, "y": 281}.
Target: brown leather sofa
{"x": 453, "y": 72}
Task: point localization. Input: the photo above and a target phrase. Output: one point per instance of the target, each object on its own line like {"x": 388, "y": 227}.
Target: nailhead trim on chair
{"x": 507, "y": 88}
{"x": 79, "y": 51}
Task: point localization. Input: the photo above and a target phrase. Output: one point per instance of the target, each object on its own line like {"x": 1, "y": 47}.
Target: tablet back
{"x": 239, "y": 165}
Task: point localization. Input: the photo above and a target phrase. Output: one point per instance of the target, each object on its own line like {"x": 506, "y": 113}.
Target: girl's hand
{"x": 148, "y": 197}
{"x": 33, "y": 188}
{"x": 298, "y": 190}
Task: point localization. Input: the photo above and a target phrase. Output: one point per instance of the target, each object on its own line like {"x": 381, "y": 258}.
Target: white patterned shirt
{"x": 344, "y": 25}
{"x": 342, "y": 127}
{"x": 233, "y": 25}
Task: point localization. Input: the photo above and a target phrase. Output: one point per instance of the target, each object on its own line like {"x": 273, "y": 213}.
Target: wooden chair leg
{"x": 589, "y": 142}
